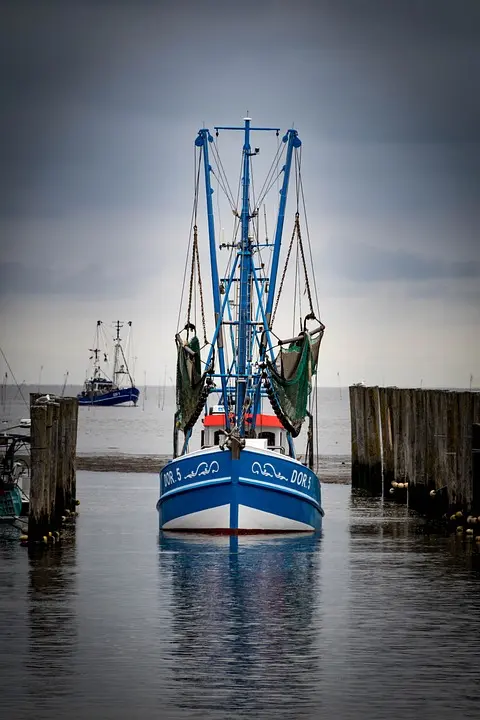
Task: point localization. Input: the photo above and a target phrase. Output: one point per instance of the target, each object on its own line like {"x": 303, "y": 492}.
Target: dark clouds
{"x": 96, "y": 280}
{"x": 101, "y": 101}
{"x": 364, "y": 263}
{"x": 76, "y": 76}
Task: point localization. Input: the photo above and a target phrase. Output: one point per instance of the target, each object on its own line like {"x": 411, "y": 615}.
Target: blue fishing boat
{"x": 99, "y": 388}
{"x": 251, "y": 388}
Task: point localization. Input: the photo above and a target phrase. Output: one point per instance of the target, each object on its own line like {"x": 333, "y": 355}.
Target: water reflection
{"x": 52, "y": 624}
{"x": 242, "y": 618}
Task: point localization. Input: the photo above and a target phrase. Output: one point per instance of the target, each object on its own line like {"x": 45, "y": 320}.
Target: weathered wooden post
{"x": 419, "y": 496}
{"x": 387, "y": 437}
{"x": 353, "y": 431}
{"x": 360, "y": 466}
{"x": 53, "y": 448}
{"x": 60, "y": 479}
{"x": 373, "y": 442}
{"x": 396, "y": 426}
{"x": 464, "y": 447}
{"x": 70, "y": 449}
{"x": 476, "y": 468}
{"x": 37, "y": 522}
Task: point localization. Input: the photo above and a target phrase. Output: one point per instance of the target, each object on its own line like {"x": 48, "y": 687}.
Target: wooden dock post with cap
{"x": 53, "y": 450}
{"x": 424, "y": 442}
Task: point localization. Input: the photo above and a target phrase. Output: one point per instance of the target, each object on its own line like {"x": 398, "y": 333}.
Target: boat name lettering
{"x": 169, "y": 478}
{"x": 301, "y": 478}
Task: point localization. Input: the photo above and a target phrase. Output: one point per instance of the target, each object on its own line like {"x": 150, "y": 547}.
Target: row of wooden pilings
{"x": 53, "y": 441}
{"x": 424, "y": 441}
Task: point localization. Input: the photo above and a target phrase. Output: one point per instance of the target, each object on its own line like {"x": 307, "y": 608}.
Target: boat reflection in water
{"x": 245, "y": 621}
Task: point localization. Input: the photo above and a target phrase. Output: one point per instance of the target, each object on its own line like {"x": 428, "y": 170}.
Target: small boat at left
{"x": 101, "y": 388}
{"x": 14, "y": 476}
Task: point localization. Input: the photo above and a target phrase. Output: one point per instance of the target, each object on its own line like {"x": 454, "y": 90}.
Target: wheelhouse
{"x": 269, "y": 431}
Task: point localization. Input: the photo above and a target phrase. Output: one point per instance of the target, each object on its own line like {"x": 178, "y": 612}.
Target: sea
{"x": 377, "y": 618}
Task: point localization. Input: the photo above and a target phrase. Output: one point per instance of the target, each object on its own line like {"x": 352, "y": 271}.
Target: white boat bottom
{"x": 209, "y": 519}
{"x": 218, "y": 518}
{"x": 252, "y": 519}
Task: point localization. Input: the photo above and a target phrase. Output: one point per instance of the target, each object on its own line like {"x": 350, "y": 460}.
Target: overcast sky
{"x": 101, "y": 103}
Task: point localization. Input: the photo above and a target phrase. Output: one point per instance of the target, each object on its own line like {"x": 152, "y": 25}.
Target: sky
{"x": 101, "y": 103}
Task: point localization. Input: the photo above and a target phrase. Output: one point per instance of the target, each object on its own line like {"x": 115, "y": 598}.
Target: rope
{"x": 192, "y": 275}
{"x": 222, "y": 178}
{"x": 193, "y": 221}
{"x": 283, "y": 274}
{"x": 296, "y": 232}
{"x": 196, "y": 267}
{"x": 309, "y": 245}
{"x": 275, "y": 163}
{"x": 300, "y": 244}
{"x": 200, "y": 290}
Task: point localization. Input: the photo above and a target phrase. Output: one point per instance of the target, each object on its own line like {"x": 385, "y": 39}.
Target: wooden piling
{"x": 53, "y": 449}
{"x": 476, "y": 468}
{"x": 421, "y": 440}
{"x": 360, "y": 467}
{"x": 388, "y": 458}
{"x": 37, "y": 521}
{"x": 353, "y": 434}
{"x": 373, "y": 441}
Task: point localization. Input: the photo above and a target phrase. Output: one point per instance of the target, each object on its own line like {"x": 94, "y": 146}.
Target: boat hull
{"x": 116, "y": 397}
{"x": 261, "y": 491}
{"x": 10, "y": 502}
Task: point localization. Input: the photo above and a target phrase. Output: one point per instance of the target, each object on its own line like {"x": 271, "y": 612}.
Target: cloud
{"x": 364, "y": 263}
{"x": 95, "y": 280}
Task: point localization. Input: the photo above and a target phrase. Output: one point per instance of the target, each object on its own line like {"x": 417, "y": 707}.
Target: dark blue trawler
{"x": 99, "y": 389}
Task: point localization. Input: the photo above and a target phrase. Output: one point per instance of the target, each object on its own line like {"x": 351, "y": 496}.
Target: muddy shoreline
{"x": 331, "y": 468}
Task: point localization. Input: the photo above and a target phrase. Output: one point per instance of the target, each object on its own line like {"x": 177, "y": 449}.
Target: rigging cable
{"x": 269, "y": 178}
{"x": 19, "y": 389}
{"x": 309, "y": 244}
{"x": 196, "y": 180}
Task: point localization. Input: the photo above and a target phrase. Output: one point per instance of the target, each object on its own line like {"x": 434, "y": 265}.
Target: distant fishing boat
{"x": 253, "y": 388}
{"x": 100, "y": 389}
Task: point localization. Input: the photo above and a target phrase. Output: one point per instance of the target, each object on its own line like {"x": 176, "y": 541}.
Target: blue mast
{"x": 293, "y": 142}
{"x": 202, "y": 141}
{"x": 244, "y": 327}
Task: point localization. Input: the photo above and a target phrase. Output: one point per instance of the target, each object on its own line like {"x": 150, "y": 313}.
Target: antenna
{"x": 64, "y": 383}
{"x": 118, "y": 324}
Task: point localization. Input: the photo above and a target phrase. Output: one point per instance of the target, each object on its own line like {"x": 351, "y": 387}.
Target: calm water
{"x": 372, "y": 620}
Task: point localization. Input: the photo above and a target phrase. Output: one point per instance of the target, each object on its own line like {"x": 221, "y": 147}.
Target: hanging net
{"x": 191, "y": 383}
{"x": 290, "y": 378}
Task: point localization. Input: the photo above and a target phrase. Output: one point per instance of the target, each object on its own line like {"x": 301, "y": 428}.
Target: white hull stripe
{"x": 280, "y": 488}
{"x": 200, "y": 483}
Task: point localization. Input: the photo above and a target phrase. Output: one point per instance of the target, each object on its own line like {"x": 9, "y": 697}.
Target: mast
{"x": 120, "y": 369}
{"x": 96, "y": 351}
{"x": 202, "y": 141}
{"x": 293, "y": 142}
{"x": 118, "y": 325}
{"x": 244, "y": 310}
